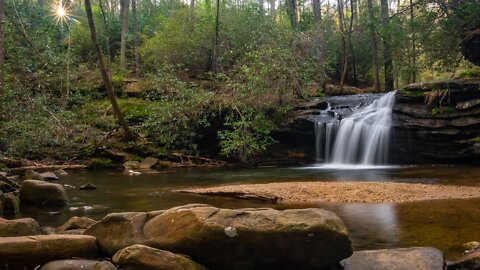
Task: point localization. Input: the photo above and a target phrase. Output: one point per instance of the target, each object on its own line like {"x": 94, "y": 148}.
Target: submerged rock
{"x": 30, "y": 251}
{"x": 43, "y": 193}
{"x": 251, "y": 238}
{"x": 78, "y": 265}
{"x": 418, "y": 258}
{"x": 19, "y": 227}
{"x": 142, "y": 257}
{"x": 88, "y": 186}
{"x": 48, "y": 176}
{"x": 76, "y": 223}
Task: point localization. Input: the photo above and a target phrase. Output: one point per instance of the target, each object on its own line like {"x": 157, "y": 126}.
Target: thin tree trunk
{"x": 273, "y": 11}
{"x": 373, "y": 41}
{"x": 124, "y": 5}
{"x": 107, "y": 39}
{"x": 387, "y": 50}
{"x": 2, "y": 53}
{"x": 261, "y": 3}
{"x": 292, "y": 13}
{"x": 350, "y": 43}
{"x": 136, "y": 38}
{"x": 344, "y": 65}
{"x": 217, "y": 29}
{"x": 192, "y": 14}
{"x": 414, "y": 49}
{"x": 317, "y": 14}
{"x": 127, "y": 134}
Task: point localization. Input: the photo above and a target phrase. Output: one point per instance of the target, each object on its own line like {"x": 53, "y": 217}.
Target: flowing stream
{"x": 360, "y": 137}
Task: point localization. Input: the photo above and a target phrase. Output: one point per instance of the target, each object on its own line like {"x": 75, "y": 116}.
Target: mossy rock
{"x": 99, "y": 163}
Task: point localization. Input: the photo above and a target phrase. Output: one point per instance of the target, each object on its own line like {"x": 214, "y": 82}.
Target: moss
{"x": 4, "y": 168}
{"x": 412, "y": 93}
{"x": 476, "y": 139}
{"x": 99, "y": 163}
{"x": 442, "y": 110}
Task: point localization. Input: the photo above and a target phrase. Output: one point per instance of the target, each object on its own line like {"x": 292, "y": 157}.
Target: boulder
{"x": 419, "y": 258}
{"x": 48, "y": 176}
{"x": 43, "y": 193}
{"x": 61, "y": 172}
{"x": 30, "y": 251}
{"x": 88, "y": 186}
{"x": 148, "y": 162}
{"x": 251, "y": 238}
{"x": 10, "y": 203}
{"x": 132, "y": 164}
{"x": 138, "y": 257}
{"x": 19, "y": 227}
{"x": 76, "y": 223}
{"x": 31, "y": 174}
{"x": 117, "y": 231}
{"x": 78, "y": 265}
{"x": 470, "y": 261}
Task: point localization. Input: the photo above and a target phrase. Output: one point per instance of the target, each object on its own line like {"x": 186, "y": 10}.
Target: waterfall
{"x": 360, "y": 138}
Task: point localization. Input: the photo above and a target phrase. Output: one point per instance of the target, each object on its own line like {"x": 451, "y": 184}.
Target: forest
{"x": 178, "y": 68}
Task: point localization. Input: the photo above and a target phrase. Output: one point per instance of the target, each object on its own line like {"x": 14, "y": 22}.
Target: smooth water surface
{"x": 443, "y": 224}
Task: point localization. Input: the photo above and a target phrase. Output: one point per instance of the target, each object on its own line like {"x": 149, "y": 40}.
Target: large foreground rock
{"x": 78, "y": 265}
{"x": 30, "y": 251}
{"x": 138, "y": 257}
{"x": 251, "y": 238}
{"x": 469, "y": 261}
{"x": 19, "y": 227}
{"x": 232, "y": 239}
{"x": 42, "y": 193}
{"x": 417, "y": 258}
{"x": 76, "y": 223}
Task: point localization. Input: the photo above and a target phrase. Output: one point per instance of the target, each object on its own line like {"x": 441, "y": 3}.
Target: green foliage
{"x": 442, "y": 110}
{"x": 248, "y": 134}
{"x": 99, "y": 163}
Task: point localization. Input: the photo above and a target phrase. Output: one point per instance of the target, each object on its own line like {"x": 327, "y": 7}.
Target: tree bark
{"x": 124, "y": 5}
{"x": 273, "y": 11}
{"x": 216, "y": 44}
{"x": 344, "y": 65}
{"x": 414, "y": 49}
{"x": 136, "y": 38}
{"x": 387, "y": 50}
{"x": 292, "y": 13}
{"x": 373, "y": 41}
{"x": 127, "y": 133}
{"x": 2, "y": 52}
{"x": 317, "y": 14}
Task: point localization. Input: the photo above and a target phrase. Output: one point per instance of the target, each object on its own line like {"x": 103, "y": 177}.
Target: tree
{"x": 292, "y": 13}
{"x": 387, "y": 49}
{"x": 317, "y": 14}
{"x": 413, "y": 68}
{"x": 127, "y": 133}
{"x": 216, "y": 43}
{"x": 136, "y": 38}
{"x": 2, "y": 53}
{"x": 124, "y": 5}
{"x": 373, "y": 45}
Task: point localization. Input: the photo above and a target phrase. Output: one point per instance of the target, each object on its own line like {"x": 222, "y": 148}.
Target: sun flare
{"x": 61, "y": 12}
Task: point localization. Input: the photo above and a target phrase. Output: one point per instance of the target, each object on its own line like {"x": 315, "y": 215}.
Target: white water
{"x": 362, "y": 138}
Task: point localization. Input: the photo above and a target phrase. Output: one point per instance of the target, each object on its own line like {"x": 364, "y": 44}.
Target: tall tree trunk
{"x": 292, "y": 13}
{"x": 124, "y": 5}
{"x": 273, "y": 11}
{"x": 414, "y": 49}
{"x": 2, "y": 52}
{"x": 261, "y": 3}
{"x": 317, "y": 14}
{"x": 350, "y": 42}
{"x": 216, "y": 44}
{"x": 387, "y": 50}
{"x": 192, "y": 15}
{"x": 107, "y": 39}
{"x": 344, "y": 64}
{"x": 127, "y": 134}
{"x": 373, "y": 41}
{"x": 136, "y": 38}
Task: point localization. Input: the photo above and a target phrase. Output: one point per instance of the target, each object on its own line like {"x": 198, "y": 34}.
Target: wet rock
{"x": 468, "y": 262}
{"x": 470, "y": 46}
{"x": 10, "y": 203}
{"x": 48, "y": 230}
{"x": 61, "y": 172}
{"x": 43, "y": 193}
{"x": 49, "y": 176}
{"x": 115, "y": 154}
{"x": 78, "y": 265}
{"x": 472, "y": 246}
{"x": 419, "y": 258}
{"x": 148, "y": 162}
{"x": 143, "y": 257}
{"x": 88, "y": 186}
{"x": 27, "y": 252}
{"x": 19, "y": 227}
{"x": 31, "y": 174}
{"x": 130, "y": 165}
{"x": 251, "y": 238}
{"x": 118, "y": 230}
{"x": 75, "y": 223}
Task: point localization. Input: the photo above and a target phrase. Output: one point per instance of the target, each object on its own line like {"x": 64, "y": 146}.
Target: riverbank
{"x": 339, "y": 192}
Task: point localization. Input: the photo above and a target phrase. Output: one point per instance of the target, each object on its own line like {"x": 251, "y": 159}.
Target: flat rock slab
{"x": 339, "y": 192}
{"x": 418, "y": 258}
{"x": 31, "y": 251}
{"x": 78, "y": 265}
{"x": 142, "y": 257}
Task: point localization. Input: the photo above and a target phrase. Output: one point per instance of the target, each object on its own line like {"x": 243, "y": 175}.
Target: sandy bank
{"x": 339, "y": 192}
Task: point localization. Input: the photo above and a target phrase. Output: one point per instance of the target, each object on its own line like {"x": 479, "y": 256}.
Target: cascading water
{"x": 360, "y": 138}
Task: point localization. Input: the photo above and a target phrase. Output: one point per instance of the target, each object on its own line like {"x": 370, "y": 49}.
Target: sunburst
{"x": 62, "y": 13}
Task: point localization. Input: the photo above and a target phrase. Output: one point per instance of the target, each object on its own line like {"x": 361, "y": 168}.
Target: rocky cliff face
{"x": 437, "y": 122}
